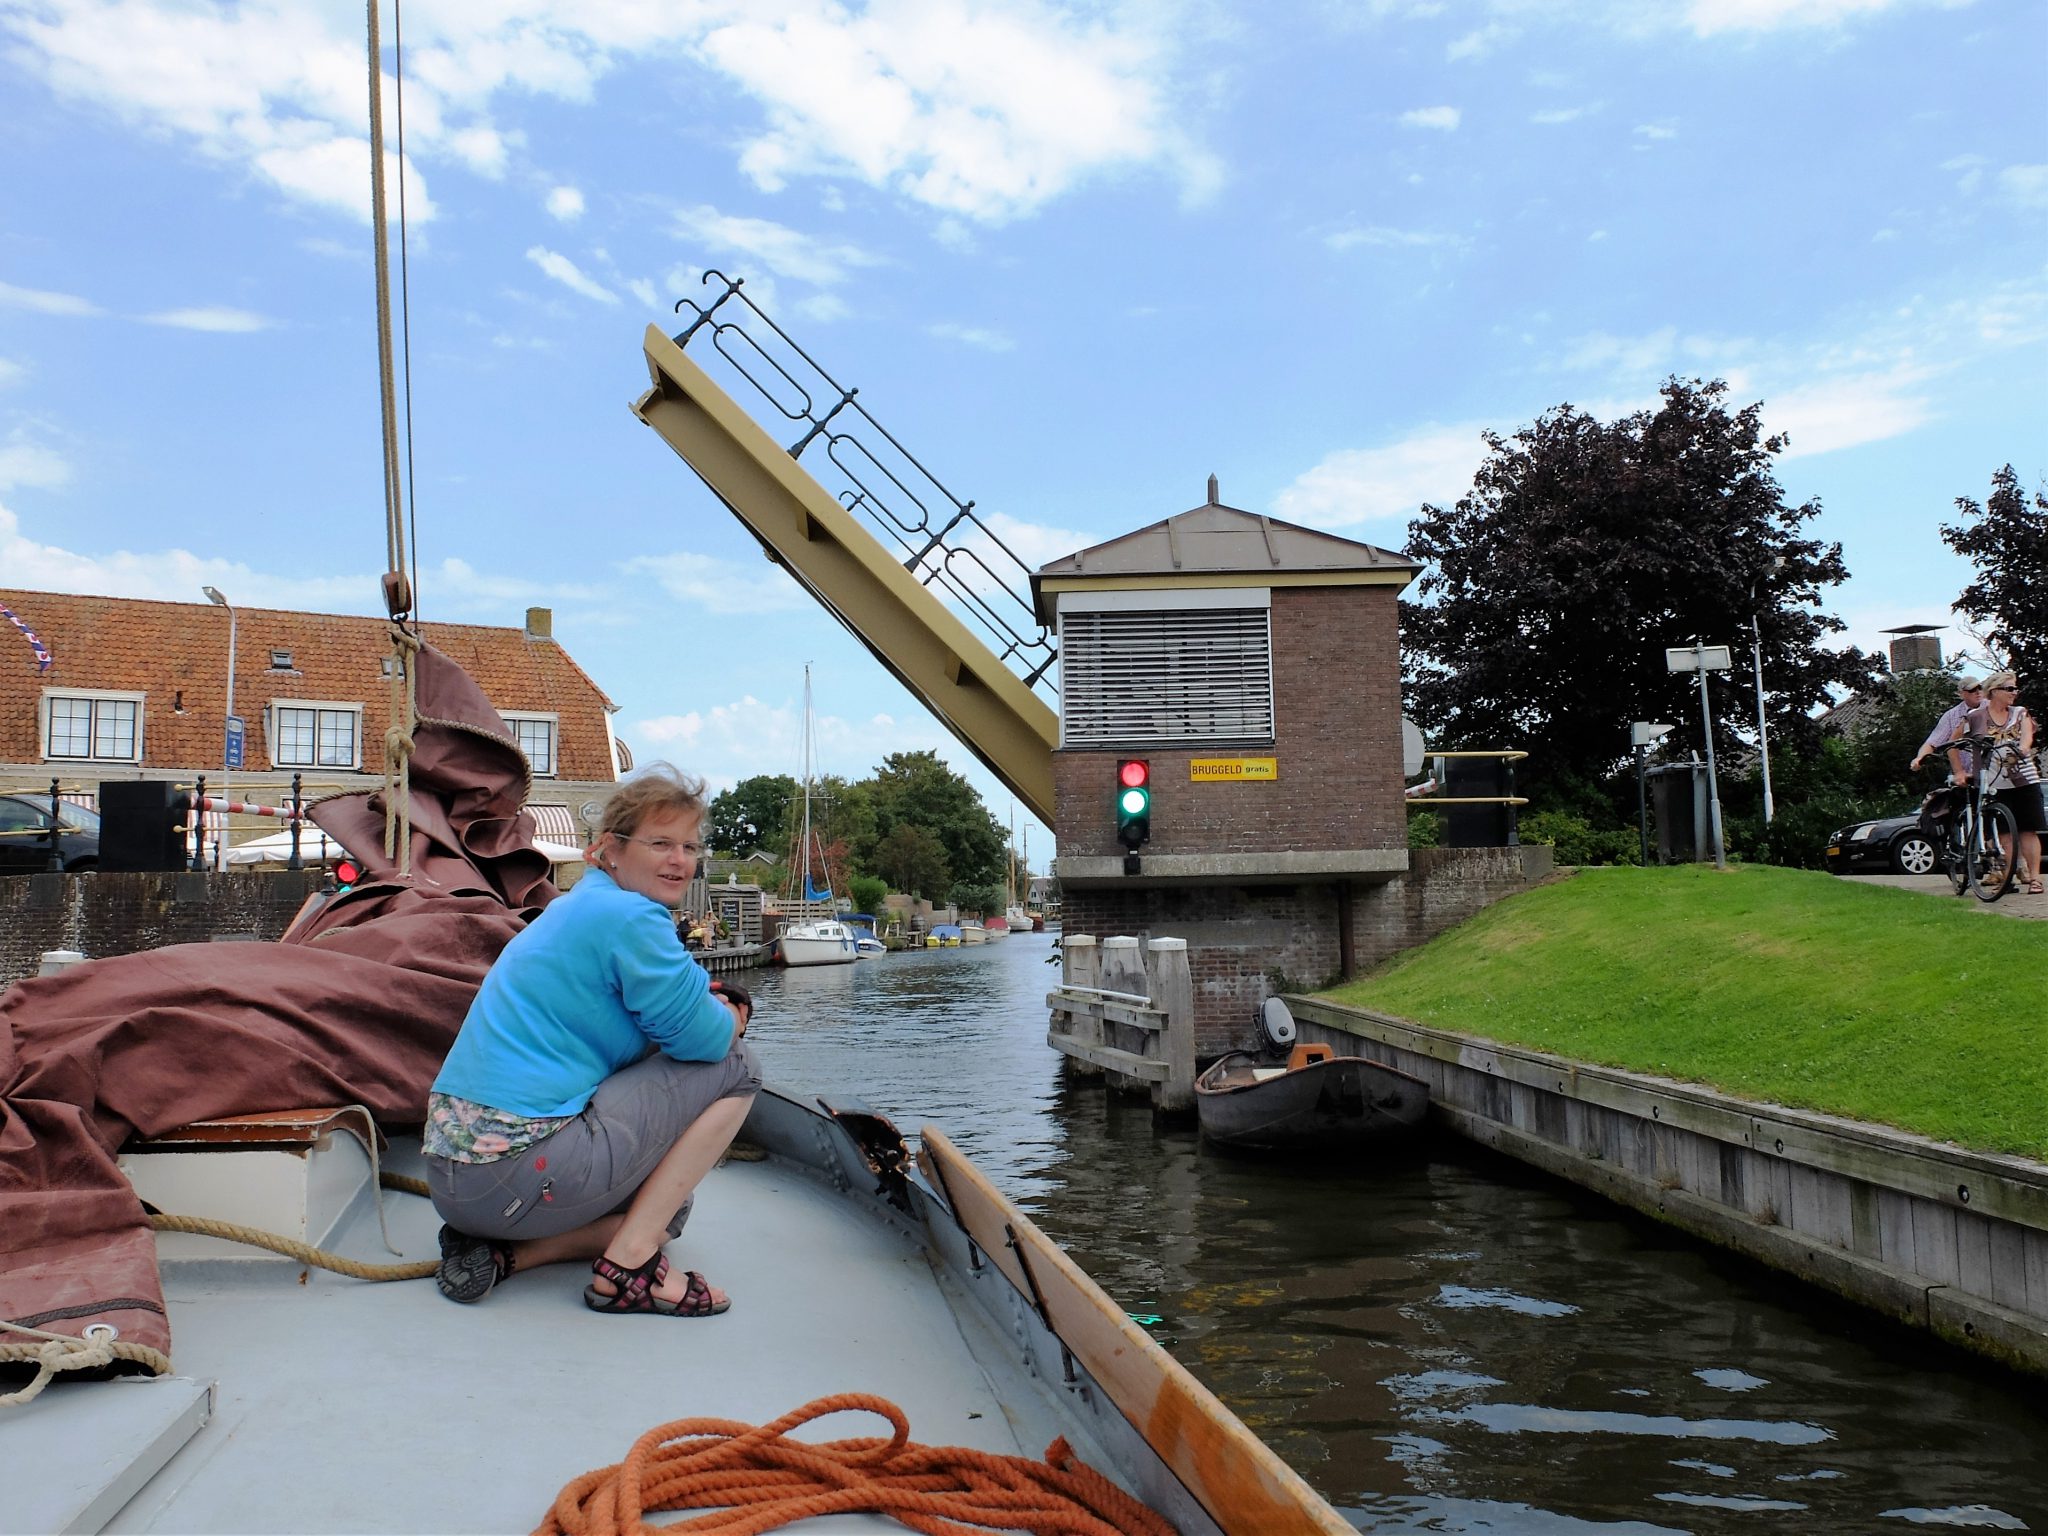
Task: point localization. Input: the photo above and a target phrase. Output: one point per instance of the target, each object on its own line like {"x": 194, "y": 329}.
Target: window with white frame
{"x": 536, "y": 737}
{"x": 1149, "y": 668}
{"x": 309, "y": 733}
{"x": 93, "y": 726}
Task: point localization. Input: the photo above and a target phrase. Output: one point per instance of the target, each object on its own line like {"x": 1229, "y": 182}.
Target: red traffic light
{"x": 347, "y": 873}
{"x": 1134, "y": 773}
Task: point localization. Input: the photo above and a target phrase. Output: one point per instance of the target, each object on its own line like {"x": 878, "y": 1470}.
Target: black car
{"x": 1890, "y": 845}
{"x": 25, "y": 835}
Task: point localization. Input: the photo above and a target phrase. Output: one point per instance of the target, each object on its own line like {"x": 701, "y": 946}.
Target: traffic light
{"x": 1133, "y": 803}
{"x": 346, "y": 874}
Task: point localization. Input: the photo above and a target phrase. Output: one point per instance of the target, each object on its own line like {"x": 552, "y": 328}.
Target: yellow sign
{"x": 1232, "y": 770}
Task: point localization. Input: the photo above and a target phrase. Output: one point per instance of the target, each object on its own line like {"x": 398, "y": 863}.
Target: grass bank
{"x": 1777, "y": 984}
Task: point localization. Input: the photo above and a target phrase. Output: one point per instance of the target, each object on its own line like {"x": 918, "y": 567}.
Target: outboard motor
{"x": 1277, "y": 1023}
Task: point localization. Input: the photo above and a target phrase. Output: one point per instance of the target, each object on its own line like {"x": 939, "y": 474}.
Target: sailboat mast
{"x": 806, "y": 890}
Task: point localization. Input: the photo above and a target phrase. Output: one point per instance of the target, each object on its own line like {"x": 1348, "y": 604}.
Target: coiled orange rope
{"x": 758, "y": 1480}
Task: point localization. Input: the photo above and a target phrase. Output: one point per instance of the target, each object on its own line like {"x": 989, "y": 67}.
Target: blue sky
{"x": 1076, "y": 257}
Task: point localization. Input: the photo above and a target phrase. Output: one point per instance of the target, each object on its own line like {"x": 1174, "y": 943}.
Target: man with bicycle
{"x": 1969, "y": 694}
{"x": 2012, "y": 778}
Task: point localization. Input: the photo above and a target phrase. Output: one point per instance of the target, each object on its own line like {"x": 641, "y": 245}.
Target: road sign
{"x": 237, "y": 741}
{"x": 1644, "y": 733}
{"x": 1697, "y": 658}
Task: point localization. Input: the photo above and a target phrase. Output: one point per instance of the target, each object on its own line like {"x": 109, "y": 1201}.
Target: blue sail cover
{"x": 812, "y": 893}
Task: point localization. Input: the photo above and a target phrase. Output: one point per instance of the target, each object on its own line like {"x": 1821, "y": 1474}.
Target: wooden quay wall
{"x": 1947, "y": 1240}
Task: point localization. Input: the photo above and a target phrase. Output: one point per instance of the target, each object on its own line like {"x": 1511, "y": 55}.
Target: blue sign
{"x": 237, "y": 737}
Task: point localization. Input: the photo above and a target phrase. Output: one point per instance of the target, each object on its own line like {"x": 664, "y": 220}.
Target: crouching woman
{"x": 598, "y": 1077}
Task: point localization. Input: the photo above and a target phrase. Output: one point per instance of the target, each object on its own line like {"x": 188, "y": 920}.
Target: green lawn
{"x": 1880, "y": 1004}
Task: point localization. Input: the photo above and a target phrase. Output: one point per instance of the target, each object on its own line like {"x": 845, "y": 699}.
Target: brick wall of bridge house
{"x": 1337, "y": 719}
{"x": 119, "y": 914}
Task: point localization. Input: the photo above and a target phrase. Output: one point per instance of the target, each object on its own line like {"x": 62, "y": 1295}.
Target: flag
{"x": 44, "y": 660}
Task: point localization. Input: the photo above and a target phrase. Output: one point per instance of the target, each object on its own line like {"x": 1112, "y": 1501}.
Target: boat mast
{"x": 805, "y": 889}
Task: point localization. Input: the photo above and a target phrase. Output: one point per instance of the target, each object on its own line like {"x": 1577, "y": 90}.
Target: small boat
{"x": 942, "y": 936}
{"x": 814, "y": 939}
{"x": 1315, "y": 1100}
{"x": 972, "y": 932}
{"x": 994, "y": 928}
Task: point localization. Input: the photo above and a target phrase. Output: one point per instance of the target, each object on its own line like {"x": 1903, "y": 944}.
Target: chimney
{"x": 1915, "y": 648}
{"x": 540, "y": 623}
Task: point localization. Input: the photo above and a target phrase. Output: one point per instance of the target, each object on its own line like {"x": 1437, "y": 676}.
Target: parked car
{"x": 25, "y": 835}
{"x": 1889, "y": 845}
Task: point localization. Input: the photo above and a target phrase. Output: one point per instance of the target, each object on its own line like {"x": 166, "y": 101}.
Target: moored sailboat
{"x": 818, "y": 937}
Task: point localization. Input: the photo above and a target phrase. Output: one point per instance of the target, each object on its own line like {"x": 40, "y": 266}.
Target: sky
{"x": 1076, "y": 258}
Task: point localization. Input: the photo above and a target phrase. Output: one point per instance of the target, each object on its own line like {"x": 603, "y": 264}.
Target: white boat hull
{"x": 973, "y": 933}
{"x": 818, "y": 944}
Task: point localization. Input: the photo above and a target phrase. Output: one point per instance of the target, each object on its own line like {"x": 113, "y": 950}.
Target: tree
{"x": 754, "y": 814}
{"x": 1583, "y": 550}
{"x": 975, "y": 899}
{"x": 2006, "y": 539}
{"x": 917, "y": 789}
{"x": 867, "y": 892}
{"x": 912, "y": 861}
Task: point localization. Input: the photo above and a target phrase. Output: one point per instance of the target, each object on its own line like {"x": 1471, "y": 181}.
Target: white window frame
{"x": 272, "y": 732}
{"x": 1192, "y": 667}
{"x": 553, "y": 721}
{"x": 45, "y": 718}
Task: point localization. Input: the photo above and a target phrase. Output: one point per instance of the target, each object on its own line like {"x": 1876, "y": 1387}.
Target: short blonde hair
{"x": 659, "y": 789}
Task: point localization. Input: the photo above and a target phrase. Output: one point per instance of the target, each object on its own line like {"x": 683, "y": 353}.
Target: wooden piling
{"x": 1171, "y": 986}
{"x": 1081, "y": 963}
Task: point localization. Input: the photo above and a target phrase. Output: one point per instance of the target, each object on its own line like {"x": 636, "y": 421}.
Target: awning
{"x": 556, "y": 823}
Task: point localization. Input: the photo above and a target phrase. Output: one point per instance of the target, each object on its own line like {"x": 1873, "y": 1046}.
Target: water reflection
{"x": 1441, "y": 1344}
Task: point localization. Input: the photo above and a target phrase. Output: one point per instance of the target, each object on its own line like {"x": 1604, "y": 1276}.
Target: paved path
{"x": 2015, "y": 903}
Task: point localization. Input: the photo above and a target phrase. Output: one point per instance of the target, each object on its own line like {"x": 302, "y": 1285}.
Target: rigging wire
{"x": 412, "y": 501}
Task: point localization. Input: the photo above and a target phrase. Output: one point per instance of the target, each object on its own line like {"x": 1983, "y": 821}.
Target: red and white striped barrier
{"x": 242, "y": 808}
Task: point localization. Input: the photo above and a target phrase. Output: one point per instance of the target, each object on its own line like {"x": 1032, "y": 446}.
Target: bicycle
{"x": 1983, "y": 838}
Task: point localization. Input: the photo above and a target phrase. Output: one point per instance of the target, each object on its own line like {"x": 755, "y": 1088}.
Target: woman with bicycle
{"x": 2011, "y": 776}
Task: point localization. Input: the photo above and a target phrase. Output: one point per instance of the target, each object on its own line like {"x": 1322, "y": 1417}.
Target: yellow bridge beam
{"x": 804, "y": 528}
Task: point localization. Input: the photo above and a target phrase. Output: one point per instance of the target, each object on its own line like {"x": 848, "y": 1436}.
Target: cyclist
{"x": 1969, "y": 694}
{"x": 2010, "y": 774}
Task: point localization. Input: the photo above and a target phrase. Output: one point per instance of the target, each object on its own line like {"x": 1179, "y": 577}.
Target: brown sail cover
{"x": 359, "y": 1007}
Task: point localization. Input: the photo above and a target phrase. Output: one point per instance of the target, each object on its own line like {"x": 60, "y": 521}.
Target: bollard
{"x": 1171, "y": 985}
{"x": 55, "y": 960}
{"x": 1081, "y": 966}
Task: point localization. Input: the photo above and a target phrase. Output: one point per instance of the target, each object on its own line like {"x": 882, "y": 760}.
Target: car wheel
{"x": 1913, "y": 854}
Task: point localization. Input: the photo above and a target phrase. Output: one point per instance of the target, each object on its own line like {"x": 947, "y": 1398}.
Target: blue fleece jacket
{"x": 577, "y": 995}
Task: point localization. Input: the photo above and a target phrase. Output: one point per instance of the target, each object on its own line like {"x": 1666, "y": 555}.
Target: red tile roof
{"x": 176, "y": 654}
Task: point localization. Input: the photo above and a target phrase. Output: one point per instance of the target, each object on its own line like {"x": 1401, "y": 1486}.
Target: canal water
{"x": 1445, "y": 1344}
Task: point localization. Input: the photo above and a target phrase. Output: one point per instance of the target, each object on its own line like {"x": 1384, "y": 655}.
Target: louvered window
{"x": 1132, "y": 677}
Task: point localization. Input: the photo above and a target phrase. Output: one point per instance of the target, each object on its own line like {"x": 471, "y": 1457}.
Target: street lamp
{"x": 1756, "y": 635}
{"x": 231, "y": 739}
{"x": 1641, "y": 734}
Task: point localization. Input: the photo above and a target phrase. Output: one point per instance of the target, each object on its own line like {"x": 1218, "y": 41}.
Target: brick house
{"x": 137, "y": 689}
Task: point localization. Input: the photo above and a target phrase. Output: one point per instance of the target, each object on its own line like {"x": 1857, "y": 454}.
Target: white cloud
{"x": 721, "y": 586}
{"x": 45, "y": 302}
{"x": 566, "y": 204}
{"x": 11, "y": 372}
{"x": 2025, "y": 185}
{"x": 1707, "y": 17}
{"x": 1479, "y": 42}
{"x": 212, "y": 317}
{"x": 1655, "y": 132}
{"x": 1849, "y": 411}
{"x": 784, "y": 251}
{"x": 971, "y": 336}
{"x": 1381, "y": 235}
{"x": 1555, "y": 115}
{"x": 644, "y": 291}
{"x": 823, "y": 308}
{"x": 1443, "y": 119}
{"x": 569, "y": 275}
{"x": 985, "y": 111}
{"x": 1388, "y": 484}
{"x": 26, "y": 462}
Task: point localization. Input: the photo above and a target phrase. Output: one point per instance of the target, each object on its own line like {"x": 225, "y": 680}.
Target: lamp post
{"x": 1641, "y": 734}
{"x": 1756, "y": 636}
{"x": 228, "y": 740}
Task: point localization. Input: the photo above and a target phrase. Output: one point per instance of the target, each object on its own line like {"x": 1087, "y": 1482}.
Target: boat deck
{"x": 343, "y": 1405}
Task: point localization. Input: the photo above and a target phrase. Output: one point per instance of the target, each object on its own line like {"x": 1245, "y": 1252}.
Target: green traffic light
{"x": 1135, "y": 801}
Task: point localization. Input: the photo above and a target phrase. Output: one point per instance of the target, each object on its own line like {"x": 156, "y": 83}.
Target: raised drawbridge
{"x": 946, "y": 609}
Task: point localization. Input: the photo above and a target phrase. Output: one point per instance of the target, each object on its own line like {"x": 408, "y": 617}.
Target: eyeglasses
{"x": 662, "y": 847}
{"x": 2005, "y": 688}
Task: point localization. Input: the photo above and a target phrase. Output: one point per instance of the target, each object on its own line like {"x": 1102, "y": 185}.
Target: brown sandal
{"x": 635, "y": 1291}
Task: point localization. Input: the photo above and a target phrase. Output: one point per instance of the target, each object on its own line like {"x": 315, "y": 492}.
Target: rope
{"x": 760, "y": 1481}
{"x": 398, "y": 748}
{"x": 61, "y": 1352}
{"x": 306, "y": 1253}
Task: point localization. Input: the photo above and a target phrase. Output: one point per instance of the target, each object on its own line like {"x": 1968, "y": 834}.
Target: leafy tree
{"x": 2006, "y": 539}
{"x": 754, "y": 814}
{"x": 976, "y": 899}
{"x": 845, "y": 810}
{"x": 867, "y": 892}
{"x": 1584, "y": 549}
{"x": 918, "y": 790}
{"x": 912, "y": 860}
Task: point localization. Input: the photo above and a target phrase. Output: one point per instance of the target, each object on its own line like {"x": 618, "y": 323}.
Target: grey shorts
{"x": 594, "y": 1165}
